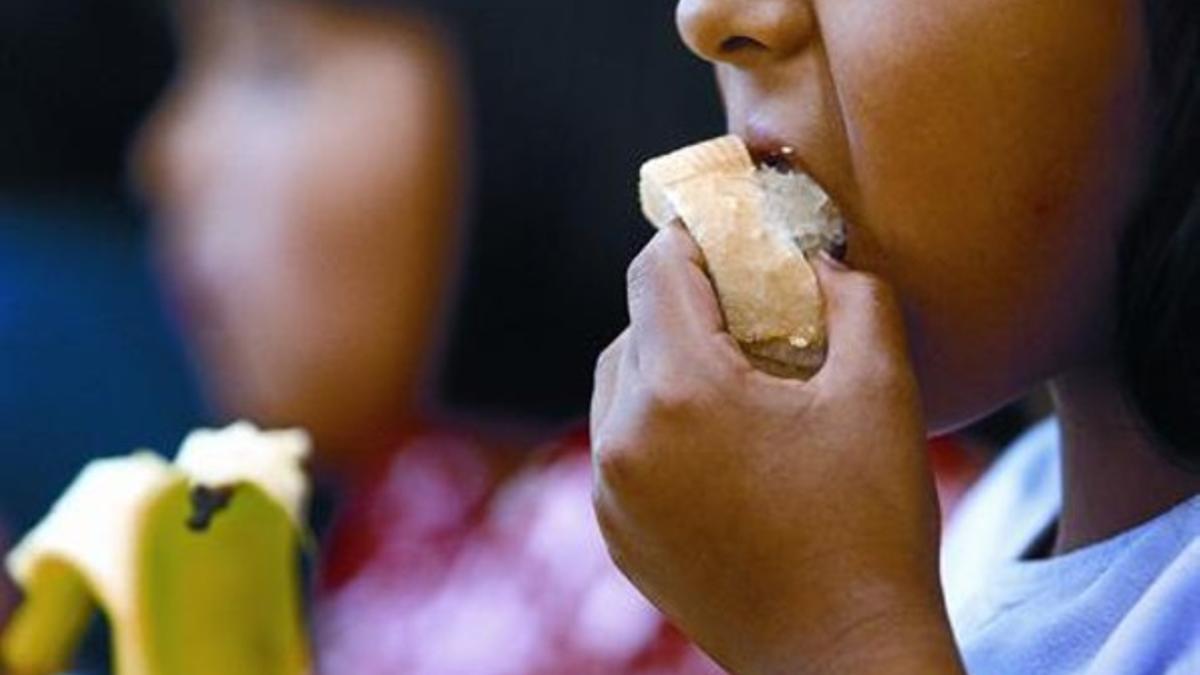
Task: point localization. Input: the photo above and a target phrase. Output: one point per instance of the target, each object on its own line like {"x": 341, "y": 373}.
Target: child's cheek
{"x": 989, "y": 141}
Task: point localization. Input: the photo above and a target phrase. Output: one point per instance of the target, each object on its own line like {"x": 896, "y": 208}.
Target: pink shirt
{"x": 438, "y": 567}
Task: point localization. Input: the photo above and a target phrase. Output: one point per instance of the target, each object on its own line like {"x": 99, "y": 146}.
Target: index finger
{"x": 673, "y": 309}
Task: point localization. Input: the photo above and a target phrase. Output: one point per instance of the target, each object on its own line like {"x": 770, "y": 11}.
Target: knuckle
{"x": 671, "y": 398}
{"x": 615, "y": 460}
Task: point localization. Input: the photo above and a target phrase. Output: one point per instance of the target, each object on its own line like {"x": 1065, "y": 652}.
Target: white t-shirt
{"x": 1130, "y": 604}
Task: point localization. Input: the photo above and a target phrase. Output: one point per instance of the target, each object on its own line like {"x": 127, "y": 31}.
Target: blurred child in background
{"x": 308, "y": 169}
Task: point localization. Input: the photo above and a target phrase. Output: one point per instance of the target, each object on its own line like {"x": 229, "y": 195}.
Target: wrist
{"x": 901, "y": 641}
{"x": 869, "y": 631}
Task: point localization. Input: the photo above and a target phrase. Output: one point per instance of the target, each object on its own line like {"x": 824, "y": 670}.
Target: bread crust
{"x": 767, "y": 290}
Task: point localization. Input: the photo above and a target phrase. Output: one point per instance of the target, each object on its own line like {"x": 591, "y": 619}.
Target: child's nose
{"x": 745, "y": 33}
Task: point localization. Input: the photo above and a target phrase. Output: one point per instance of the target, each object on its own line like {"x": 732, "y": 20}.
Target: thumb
{"x": 864, "y": 322}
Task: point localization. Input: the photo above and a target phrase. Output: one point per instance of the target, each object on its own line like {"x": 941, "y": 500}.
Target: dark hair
{"x": 1159, "y": 310}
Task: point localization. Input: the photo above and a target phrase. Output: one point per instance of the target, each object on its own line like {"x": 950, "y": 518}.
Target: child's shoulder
{"x": 1126, "y": 604}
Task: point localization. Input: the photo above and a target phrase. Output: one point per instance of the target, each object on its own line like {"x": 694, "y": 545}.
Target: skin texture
{"x": 987, "y": 153}
{"x": 304, "y": 169}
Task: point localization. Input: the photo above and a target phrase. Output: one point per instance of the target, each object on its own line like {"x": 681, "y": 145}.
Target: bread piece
{"x": 755, "y": 226}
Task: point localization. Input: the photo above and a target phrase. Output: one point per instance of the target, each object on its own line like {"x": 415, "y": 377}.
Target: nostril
{"x": 740, "y": 44}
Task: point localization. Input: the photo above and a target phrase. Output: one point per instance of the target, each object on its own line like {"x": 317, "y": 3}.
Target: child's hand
{"x": 785, "y": 526}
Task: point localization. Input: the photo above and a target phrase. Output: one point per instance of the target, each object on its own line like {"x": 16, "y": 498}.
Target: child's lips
{"x": 770, "y": 152}
{"x": 782, "y": 159}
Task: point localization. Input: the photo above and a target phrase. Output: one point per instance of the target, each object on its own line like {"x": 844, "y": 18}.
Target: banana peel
{"x": 195, "y": 562}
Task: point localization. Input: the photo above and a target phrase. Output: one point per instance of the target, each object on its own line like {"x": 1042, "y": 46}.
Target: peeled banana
{"x": 195, "y": 562}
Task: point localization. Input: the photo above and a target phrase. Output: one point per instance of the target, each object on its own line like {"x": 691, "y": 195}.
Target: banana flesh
{"x": 195, "y": 562}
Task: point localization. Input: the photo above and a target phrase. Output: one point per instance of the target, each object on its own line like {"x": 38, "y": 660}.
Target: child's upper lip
{"x": 768, "y": 150}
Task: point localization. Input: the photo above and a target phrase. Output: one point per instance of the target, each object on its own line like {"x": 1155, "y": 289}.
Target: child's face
{"x": 986, "y": 152}
{"x": 303, "y": 173}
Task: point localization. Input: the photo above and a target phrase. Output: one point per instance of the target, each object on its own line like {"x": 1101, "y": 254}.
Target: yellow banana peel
{"x": 195, "y": 562}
